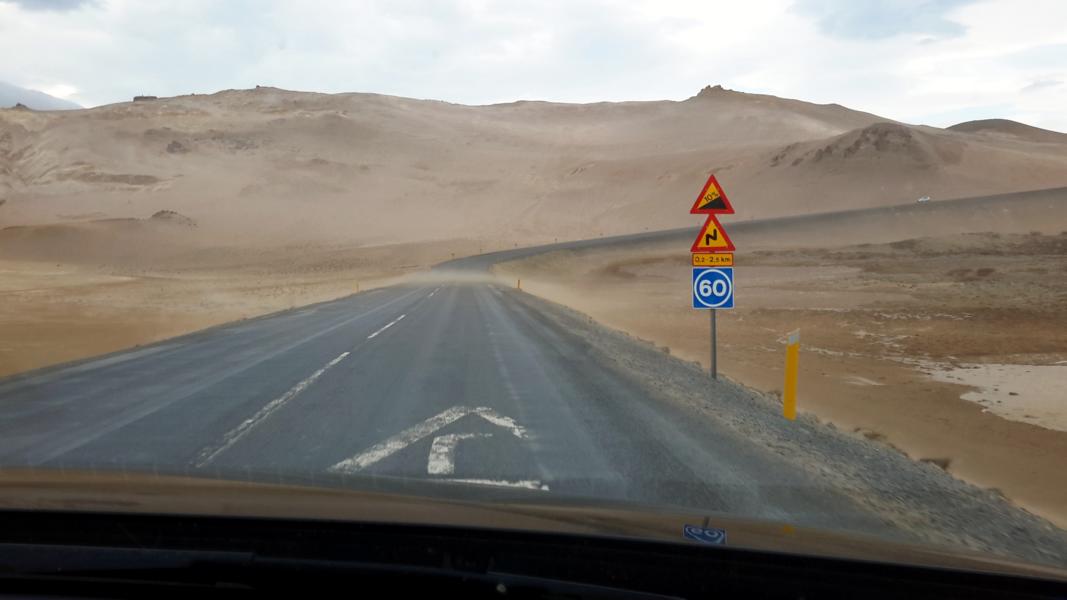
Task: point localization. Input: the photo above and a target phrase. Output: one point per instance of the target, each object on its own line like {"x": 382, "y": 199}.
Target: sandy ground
{"x": 56, "y": 312}
{"x": 942, "y": 347}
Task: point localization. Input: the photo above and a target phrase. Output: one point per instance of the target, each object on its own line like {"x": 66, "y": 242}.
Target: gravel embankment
{"x": 924, "y": 502}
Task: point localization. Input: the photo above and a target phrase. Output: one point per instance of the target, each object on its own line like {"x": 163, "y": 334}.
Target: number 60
{"x": 712, "y": 288}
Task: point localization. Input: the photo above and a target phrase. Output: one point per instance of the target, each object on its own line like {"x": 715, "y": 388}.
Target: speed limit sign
{"x": 713, "y": 287}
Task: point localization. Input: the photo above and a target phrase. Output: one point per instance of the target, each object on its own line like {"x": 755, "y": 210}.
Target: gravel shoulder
{"x": 925, "y": 503}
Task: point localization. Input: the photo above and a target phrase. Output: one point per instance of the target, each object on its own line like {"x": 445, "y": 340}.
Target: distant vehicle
{"x": 924, "y": 199}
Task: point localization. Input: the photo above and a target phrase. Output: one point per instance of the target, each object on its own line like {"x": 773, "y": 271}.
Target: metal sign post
{"x": 713, "y": 290}
{"x": 714, "y": 350}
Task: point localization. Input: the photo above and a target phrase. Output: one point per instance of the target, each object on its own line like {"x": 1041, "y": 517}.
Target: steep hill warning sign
{"x": 712, "y": 200}
{"x": 712, "y": 238}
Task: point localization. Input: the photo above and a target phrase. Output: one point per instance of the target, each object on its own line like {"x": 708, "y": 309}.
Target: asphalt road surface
{"x": 468, "y": 387}
{"x": 448, "y": 381}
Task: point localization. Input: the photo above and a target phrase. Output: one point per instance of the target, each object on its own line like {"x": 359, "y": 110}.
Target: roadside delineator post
{"x": 792, "y": 364}
{"x": 518, "y": 284}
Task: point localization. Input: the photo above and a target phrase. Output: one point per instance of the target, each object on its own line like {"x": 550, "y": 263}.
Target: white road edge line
{"x": 234, "y": 435}
{"x": 391, "y": 323}
{"x": 442, "y": 459}
{"x": 530, "y": 484}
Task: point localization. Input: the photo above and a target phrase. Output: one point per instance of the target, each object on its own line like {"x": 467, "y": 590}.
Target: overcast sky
{"x": 921, "y": 61}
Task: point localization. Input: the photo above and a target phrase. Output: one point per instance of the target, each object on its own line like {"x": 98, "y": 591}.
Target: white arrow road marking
{"x": 415, "y": 433}
{"x": 234, "y": 435}
{"x": 501, "y": 421}
{"x": 442, "y": 459}
{"x": 530, "y": 484}
{"x": 391, "y": 323}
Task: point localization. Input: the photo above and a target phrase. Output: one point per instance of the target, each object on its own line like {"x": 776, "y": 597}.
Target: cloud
{"x": 877, "y": 19}
{"x": 1042, "y": 84}
{"x": 931, "y": 62}
{"x": 53, "y": 5}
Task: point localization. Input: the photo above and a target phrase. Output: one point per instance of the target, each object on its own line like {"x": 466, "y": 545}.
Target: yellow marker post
{"x": 518, "y": 284}
{"x": 792, "y": 364}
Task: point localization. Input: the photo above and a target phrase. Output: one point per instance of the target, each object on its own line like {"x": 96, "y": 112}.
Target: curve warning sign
{"x": 712, "y": 238}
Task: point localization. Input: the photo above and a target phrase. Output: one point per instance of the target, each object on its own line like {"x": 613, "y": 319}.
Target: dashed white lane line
{"x": 234, "y": 435}
{"x": 391, "y": 323}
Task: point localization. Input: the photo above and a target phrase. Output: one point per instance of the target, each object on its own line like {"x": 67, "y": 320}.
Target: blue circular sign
{"x": 713, "y": 288}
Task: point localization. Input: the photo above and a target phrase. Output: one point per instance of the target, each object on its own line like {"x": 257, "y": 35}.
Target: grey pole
{"x": 714, "y": 354}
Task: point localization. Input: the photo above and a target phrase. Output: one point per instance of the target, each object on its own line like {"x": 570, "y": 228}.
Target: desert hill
{"x": 272, "y": 166}
{"x": 1008, "y": 128}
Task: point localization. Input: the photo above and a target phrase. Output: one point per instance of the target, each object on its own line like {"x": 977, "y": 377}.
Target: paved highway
{"x": 466, "y": 383}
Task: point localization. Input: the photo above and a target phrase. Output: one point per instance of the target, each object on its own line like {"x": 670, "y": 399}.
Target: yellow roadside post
{"x": 518, "y": 284}
{"x": 792, "y": 360}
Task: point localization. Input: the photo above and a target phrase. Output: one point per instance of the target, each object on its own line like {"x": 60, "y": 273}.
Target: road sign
{"x": 713, "y": 287}
{"x": 712, "y": 200}
{"x": 712, "y": 238}
{"x": 722, "y": 259}
{"x": 713, "y": 273}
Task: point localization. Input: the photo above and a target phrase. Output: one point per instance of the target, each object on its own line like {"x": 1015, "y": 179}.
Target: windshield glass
{"x": 792, "y": 262}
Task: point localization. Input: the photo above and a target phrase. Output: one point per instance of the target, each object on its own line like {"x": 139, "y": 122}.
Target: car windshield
{"x": 797, "y": 263}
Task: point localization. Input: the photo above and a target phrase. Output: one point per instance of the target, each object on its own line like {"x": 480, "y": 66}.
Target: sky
{"x": 935, "y": 62}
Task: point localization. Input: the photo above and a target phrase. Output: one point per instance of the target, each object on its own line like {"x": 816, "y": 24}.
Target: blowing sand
{"x": 56, "y": 312}
{"x": 886, "y": 331}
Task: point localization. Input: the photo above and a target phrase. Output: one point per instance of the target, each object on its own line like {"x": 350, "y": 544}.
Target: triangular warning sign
{"x": 712, "y": 200}
{"x": 712, "y": 238}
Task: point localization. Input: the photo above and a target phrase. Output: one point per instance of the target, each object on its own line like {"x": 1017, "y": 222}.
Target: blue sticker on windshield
{"x": 706, "y": 535}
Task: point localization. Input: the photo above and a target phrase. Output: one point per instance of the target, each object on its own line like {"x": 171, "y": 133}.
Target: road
{"x": 461, "y": 382}
{"x": 458, "y": 386}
